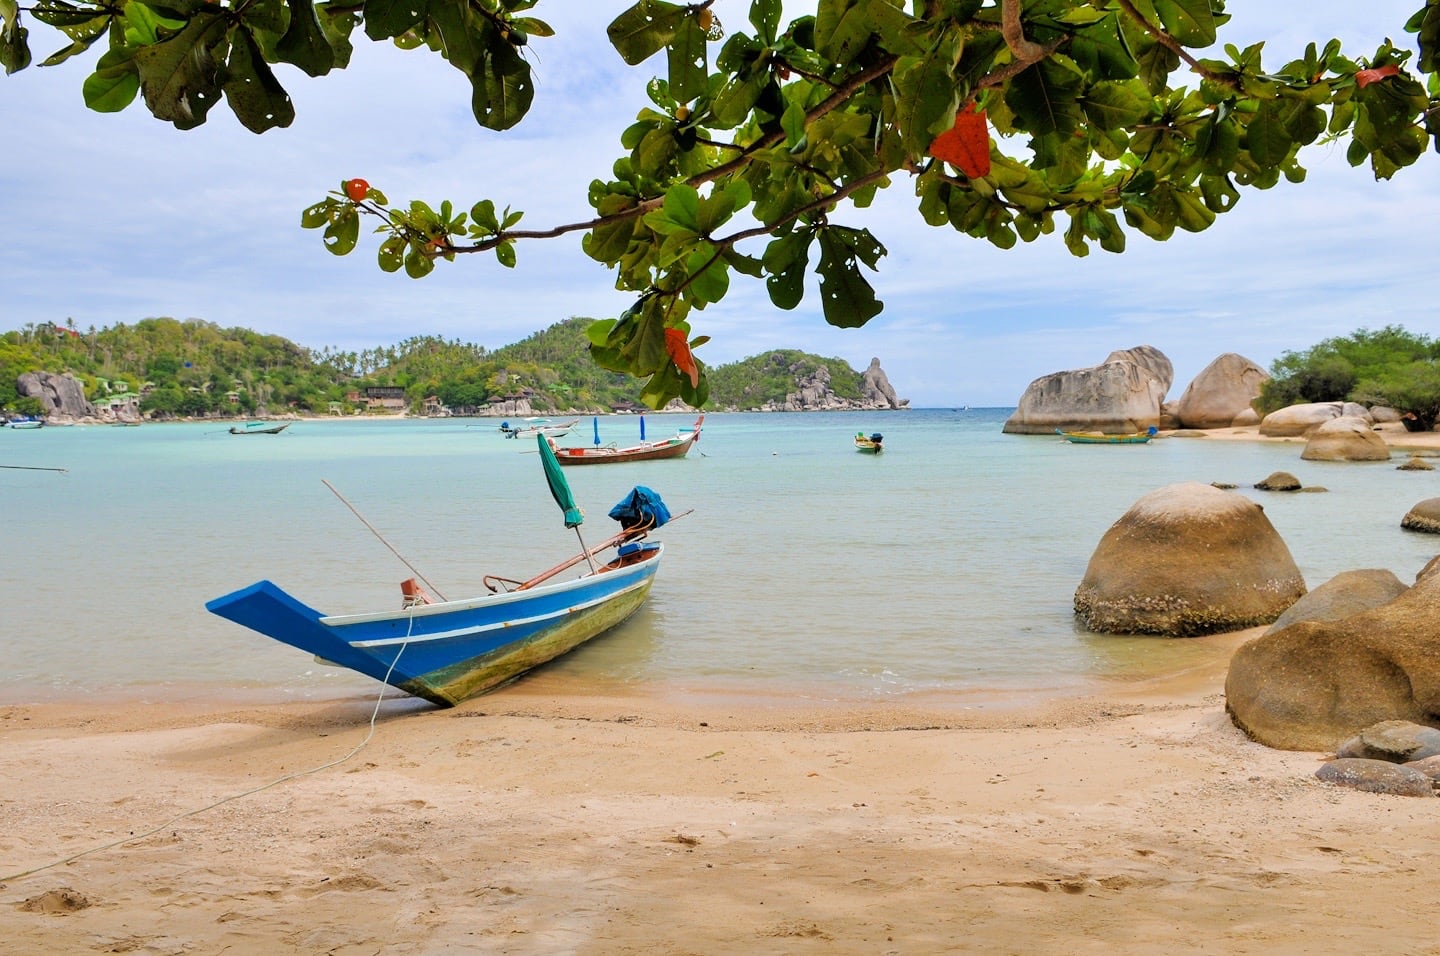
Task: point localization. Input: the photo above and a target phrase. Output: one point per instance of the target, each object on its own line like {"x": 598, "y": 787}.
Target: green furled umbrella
{"x": 560, "y": 488}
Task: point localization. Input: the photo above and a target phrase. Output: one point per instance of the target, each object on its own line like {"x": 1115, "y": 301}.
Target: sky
{"x": 113, "y": 218}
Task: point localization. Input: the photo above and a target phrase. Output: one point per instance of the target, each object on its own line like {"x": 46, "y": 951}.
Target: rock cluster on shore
{"x": 1126, "y": 394}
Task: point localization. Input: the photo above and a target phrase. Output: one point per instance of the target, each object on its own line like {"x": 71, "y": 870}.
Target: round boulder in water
{"x": 1425, "y": 516}
{"x": 1188, "y": 559}
{"x": 1345, "y": 439}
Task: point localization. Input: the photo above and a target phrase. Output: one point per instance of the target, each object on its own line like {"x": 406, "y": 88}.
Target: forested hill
{"x": 195, "y": 368}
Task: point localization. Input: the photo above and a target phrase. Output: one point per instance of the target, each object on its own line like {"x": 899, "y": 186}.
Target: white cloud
{"x": 113, "y": 218}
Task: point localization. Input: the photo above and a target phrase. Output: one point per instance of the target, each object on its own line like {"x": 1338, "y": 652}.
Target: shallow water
{"x": 947, "y": 563}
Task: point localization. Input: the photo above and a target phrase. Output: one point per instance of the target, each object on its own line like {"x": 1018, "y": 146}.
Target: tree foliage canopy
{"x": 1390, "y": 366}
{"x": 1011, "y": 119}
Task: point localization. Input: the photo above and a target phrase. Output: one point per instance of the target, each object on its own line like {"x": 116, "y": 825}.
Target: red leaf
{"x": 679, "y": 350}
{"x": 1364, "y": 78}
{"x": 966, "y": 145}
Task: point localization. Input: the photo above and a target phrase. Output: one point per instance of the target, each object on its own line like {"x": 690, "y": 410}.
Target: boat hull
{"x": 259, "y": 429}
{"x": 449, "y": 652}
{"x": 1082, "y": 438}
{"x": 676, "y": 448}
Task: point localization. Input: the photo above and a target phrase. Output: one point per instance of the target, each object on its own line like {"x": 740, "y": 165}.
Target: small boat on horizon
{"x": 259, "y": 428}
{"x": 538, "y": 426}
{"x": 1100, "y": 438}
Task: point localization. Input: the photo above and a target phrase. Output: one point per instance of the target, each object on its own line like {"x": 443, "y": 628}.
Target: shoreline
{"x": 526, "y": 821}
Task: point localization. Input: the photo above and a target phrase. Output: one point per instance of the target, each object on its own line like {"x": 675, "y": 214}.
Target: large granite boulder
{"x": 1221, "y": 392}
{"x": 1148, "y": 357}
{"x": 1346, "y": 594}
{"x": 1119, "y": 397}
{"x": 61, "y": 396}
{"x": 1345, "y": 439}
{"x": 1188, "y": 559}
{"x": 875, "y": 388}
{"x": 1293, "y": 421}
{"x": 1315, "y": 684}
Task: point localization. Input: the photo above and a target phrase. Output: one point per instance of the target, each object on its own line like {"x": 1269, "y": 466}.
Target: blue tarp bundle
{"x": 641, "y": 508}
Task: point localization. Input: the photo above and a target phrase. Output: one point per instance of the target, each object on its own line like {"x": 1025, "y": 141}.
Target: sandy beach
{"x": 548, "y": 818}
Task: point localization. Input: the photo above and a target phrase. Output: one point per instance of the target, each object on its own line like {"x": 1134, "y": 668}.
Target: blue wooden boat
{"x": 1100, "y": 438}
{"x": 449, "y": 651}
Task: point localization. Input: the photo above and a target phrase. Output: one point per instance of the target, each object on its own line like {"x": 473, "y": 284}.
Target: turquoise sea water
{"x": 948, "y": 563}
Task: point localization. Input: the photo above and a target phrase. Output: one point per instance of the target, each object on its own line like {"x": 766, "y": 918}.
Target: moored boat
{"x": 871, "y": 445}
{"x": 1100, "y": 438}
{"x": 538, "y": 426}
{"x": 676, "y": 447}
{"x": 259, "y": 428}
{"x": 448, "y": 651}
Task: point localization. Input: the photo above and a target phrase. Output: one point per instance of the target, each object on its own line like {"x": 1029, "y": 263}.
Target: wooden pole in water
{"x": 383, "y": 541}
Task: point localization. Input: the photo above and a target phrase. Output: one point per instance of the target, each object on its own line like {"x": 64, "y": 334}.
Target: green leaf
{"x": 252, "y": 91}
{"x": 713, "y": 212}
{"x": 644, "y": 29}
{"x": 792, "y": 121}
{"x": 765, "y": 18}
{"x": 179, "y": 76}
{"x": 113, "y": 85}
{"x": 786, "y": 259}
{"x": 1266, "y": 136}
{"x": 689, "y": 71}
{"x": 417, "y": 264}
{"x": 304, "y": 43}
{"x": 1116, "y": 105}
{"x": 343, "y": 231}
{"x": 317, "y": 215}
{"x": 644, "y": 345}
{"x": 483, "y": 212}
{"x": 842, "y": 29}
{"x": 14, "y": 38}
{"x": 1189, "y": 21}
{"x": 1101, "y": 51}
{"x": 1043, "y": 99}
{"x": 501, "y": 90}
{"x": 733, "y": 103}
{"x": 390, "y": 18}
{"x": 709, "y": 278}
{"x": 682, "y": 206}
{"x": 847, "y": 298}
{"x": 926, "y": 98}
{"x": 392, "y": 254}
{"x": 505, "y": 253}
{"x": 532, "y": 27}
